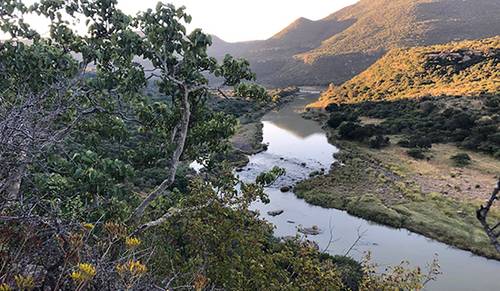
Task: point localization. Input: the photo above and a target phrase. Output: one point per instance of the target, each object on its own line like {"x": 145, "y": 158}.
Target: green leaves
{"x": 234, "y": 70}
{"x": 252, "y": 91}
{"x": 268, "y": 178}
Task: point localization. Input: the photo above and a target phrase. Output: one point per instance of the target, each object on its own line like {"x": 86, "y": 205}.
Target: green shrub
{"x": 354, "y": 131}
{"x": 379, "y": 141}
{"x": 337, "y": 118}
{"x": 416, "y": 153}
{"x": 461, "y": 159}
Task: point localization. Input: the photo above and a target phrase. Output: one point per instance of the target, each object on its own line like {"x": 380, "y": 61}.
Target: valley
{"x": 353, "y": 150}
{"x": 302, "y": 147}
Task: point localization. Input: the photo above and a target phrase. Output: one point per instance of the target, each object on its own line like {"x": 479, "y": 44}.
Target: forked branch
{"x": 482, "y": 215}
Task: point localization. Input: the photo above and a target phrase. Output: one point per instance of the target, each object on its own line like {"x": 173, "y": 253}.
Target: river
{"x": 293, "y": 141}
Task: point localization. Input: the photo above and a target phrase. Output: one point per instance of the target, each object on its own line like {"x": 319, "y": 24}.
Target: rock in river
{"x": 314, "y": 230}
{"x": 285, "y": 189}
{"x": 275, "y": 212}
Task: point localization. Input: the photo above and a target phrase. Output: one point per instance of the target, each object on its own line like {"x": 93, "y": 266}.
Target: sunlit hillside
{"x": 457, "y": 69}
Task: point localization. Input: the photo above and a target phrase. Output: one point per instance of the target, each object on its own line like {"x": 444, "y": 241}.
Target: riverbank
{"x": 431, "y": 198}
{"x": 248, "y": 137}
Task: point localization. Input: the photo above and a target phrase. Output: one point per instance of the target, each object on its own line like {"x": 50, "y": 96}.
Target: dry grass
{"x": 439, "y": 175}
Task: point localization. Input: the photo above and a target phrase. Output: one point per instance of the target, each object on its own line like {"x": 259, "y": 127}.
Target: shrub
{"x": 379, "y": 141}
{"x": 416, "y": 153}
{"x": 354, "y": 131}
{"x": 337, "y": 118}
{"x": 461, "y": 120}
{"x": 416, "y": 142}
{"x": 461, "y": 159}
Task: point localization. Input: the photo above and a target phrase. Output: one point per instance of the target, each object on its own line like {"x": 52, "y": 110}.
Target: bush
{"x": 354, "y": 131}
{"x": 379, "y": 141}
{"x": 337, "y": 118}
{"x": 461, "y": 160}
{"x": 416, "y": 142}
{"x": 416, "y": 153}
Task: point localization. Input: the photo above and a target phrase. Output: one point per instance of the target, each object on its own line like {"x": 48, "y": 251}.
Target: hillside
{"x": 464, "y": 68}
{"x": 345, "y": 43}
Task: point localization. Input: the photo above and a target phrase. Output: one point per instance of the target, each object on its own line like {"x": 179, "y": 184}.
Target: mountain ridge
{"x": 348, "y": 41}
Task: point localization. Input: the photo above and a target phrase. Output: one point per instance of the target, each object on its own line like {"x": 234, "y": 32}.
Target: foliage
{"x": 416, "y": 153}
{"x": 461, "y": 159}
{"x": 268, "y": 178}
{"x": 252, "y": 91}
{"x": 467, "y": 68}
{"x": 379, "y": 141}
{"x": 471, "y": 123}
{"x": 354, "y": 131}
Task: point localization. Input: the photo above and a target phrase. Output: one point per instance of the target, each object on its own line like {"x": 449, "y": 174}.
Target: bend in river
{"x": 301, "y": 147}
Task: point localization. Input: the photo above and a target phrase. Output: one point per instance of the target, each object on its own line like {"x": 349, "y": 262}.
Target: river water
{"x": 293, "y": 141}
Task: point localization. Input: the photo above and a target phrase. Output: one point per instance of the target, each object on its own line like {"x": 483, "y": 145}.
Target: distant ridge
{"x": 345, "y": 43}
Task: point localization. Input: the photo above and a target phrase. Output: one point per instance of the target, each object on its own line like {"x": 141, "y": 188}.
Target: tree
{"x": 75, "y": 128}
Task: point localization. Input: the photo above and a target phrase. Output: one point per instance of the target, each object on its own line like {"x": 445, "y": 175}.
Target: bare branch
{"x": 482, "y": 215}
{"x": 170, "y": 213}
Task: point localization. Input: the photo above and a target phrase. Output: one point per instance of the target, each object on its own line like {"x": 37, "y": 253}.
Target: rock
{"x": 314, "y": 230}
{"x": 285, "y": 189}
{"x": 303, "y": 164}
{"x": 238, "y": 170}
{"x": 315, "y": 173}
{"x": 275, "y": 212}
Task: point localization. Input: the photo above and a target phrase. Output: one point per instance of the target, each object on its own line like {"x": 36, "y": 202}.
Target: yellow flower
{"x": 85, "y": 272}
{"x": 5, "y": 287}
{"x": 132, "y": 267}
{"x": 88, "y": 226}
{"x": 132, "y": 242}
{"x": 24, "y": 282}
{"x": 77, "y": 276}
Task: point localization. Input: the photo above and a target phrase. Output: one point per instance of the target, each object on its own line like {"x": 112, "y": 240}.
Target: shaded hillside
{"x": 464, "y": 68}
{"x": 338, "y": 47}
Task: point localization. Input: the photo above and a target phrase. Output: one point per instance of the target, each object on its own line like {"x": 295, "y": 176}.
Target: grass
{"x": 384, "y": 187}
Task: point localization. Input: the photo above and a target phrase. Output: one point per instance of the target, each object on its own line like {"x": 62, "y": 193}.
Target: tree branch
{"x": 482, "y": 216}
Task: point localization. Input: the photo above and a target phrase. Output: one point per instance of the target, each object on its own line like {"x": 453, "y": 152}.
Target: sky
{"x": 241, "y": 20}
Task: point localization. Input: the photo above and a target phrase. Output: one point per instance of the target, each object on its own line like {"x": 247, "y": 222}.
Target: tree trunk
{"x": 179, "y": 140}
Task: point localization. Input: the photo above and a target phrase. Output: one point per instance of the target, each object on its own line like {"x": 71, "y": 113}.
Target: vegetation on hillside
{"x": 467, "y": 68}
{"x": 471, "y": 123}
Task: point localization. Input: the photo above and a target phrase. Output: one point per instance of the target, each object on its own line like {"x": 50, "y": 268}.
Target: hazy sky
{"x": 238, "y": 20}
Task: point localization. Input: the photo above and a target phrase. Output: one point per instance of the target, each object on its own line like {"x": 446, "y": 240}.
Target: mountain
{"x": 466, "y": 68}
{"x": 345, "y": 43}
